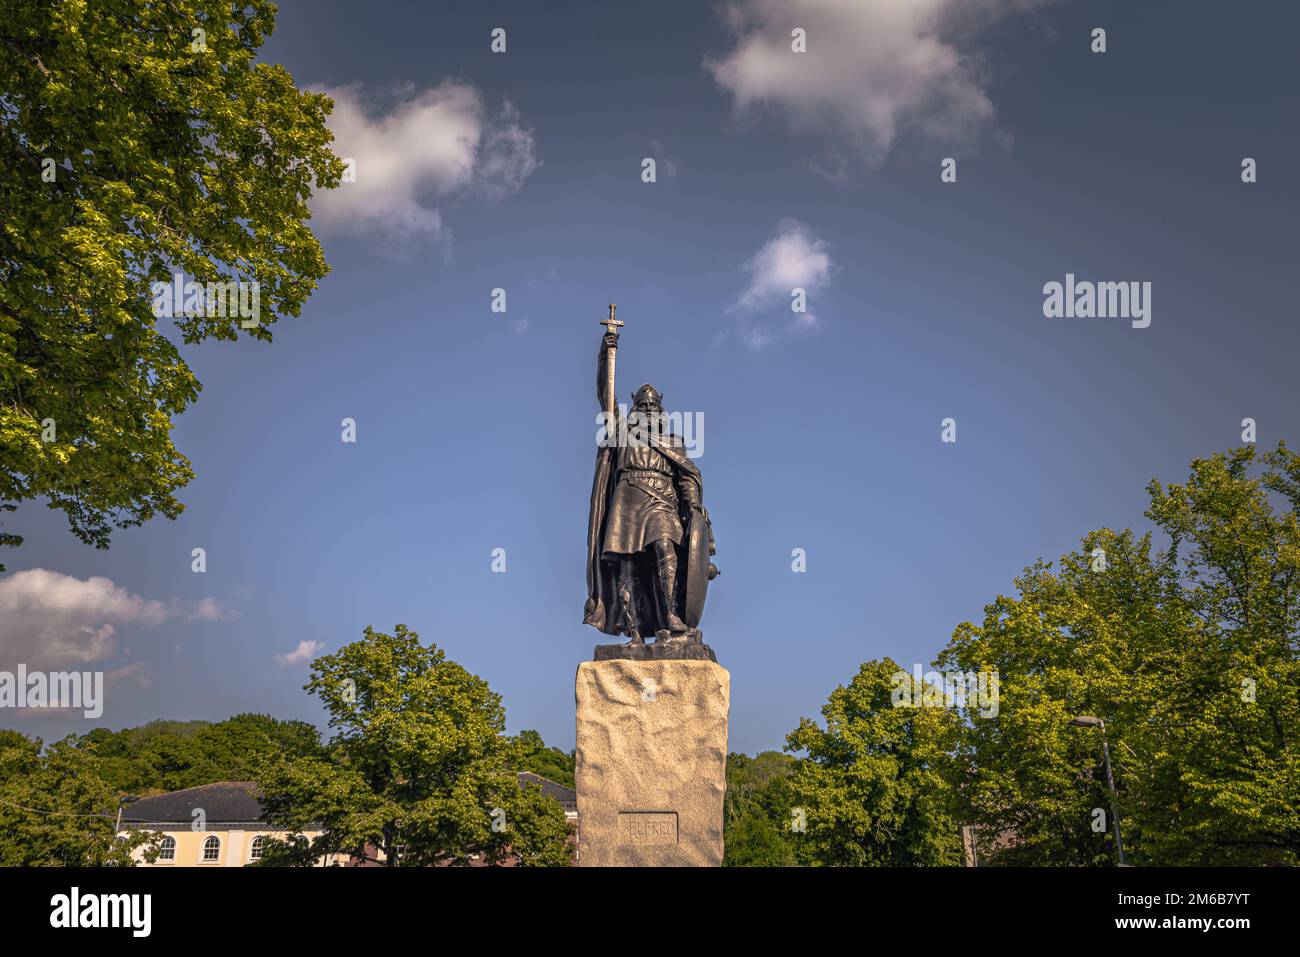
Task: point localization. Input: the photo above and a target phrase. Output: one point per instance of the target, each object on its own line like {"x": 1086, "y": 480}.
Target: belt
{"x": 646, "y": 473}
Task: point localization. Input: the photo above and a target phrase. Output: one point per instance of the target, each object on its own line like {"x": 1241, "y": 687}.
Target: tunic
{"x": 643, "y": 508}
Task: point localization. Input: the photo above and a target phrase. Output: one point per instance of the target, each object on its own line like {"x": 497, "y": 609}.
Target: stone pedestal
{"x": 651, "y": 762}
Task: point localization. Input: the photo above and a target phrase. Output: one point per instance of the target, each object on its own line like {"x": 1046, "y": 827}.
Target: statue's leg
{"x": 627, "y": 598}
{"x": 666, "y": 556}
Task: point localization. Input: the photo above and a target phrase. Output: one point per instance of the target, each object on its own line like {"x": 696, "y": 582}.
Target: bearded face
{"x": 647, "y": 418}
{"x": 647, "y": 402}
{"x": 649, "y": 408}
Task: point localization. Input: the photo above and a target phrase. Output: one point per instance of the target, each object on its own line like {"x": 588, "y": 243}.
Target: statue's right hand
{"x": 610, "y": 340}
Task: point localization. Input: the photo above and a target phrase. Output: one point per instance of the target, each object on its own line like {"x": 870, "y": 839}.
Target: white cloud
{"x": 795, "y": 258}
{"x": 209, "y": 609}
{"x": 305, "y": 652}
{"x": 874, "y": 70}
{"x": 48, "y": 619}
{"x": 427, "y": 145}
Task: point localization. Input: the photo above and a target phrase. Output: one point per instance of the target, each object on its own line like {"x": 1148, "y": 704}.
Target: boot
{"x": 627, "y": 599}
{"x": 668, "y": 585}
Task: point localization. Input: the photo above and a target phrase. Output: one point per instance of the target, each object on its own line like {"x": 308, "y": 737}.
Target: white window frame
{"x": 164, "y": 846}
{"x": 203, "y": 850}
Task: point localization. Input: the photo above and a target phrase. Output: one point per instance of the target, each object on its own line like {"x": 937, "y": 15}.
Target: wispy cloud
{"x": 208, "y": 609}
{"x": 303, "y": 653}
{"x": 794, "y": 258}
{"x": 664, "y": 165}
{"x": 138, "y": 673}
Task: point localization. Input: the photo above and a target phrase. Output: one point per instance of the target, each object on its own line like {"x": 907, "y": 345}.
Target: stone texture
{"x": 651, "y": 762}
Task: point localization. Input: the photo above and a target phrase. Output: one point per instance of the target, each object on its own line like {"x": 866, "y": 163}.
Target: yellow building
{"x": 215, "y": 825}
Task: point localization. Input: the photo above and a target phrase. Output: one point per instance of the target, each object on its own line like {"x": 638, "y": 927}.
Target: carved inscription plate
{"x": 647, "y": 827}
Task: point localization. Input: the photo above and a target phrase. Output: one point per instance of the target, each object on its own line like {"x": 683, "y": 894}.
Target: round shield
{"x": 697, "y": 569}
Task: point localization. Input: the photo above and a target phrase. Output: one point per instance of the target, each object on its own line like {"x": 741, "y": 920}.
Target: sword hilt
{"x": 611, "y": 324}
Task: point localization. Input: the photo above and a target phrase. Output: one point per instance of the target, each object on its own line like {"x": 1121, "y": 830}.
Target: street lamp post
{"x": 1088, "y": 721}
{"x": 122, "y": 801}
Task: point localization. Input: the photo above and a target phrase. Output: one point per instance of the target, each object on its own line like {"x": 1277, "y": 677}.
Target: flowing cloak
{"x": 602, "y": 576}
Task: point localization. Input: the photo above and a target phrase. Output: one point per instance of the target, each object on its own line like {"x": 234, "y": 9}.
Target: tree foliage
{"x": 419, "y": 770}
{"x": 1187, "y": 652}
{"x": 136, "y": 140}
{"x": 171, "y": 755}
{"x": 548, "y": 762}
{"x": 876, "y": 785}
{"x": 58, "y": 803}
{"x": 57, "y": 809}
{"x": 757, "y": 820}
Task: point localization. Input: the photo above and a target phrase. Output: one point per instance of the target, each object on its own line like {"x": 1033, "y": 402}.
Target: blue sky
{"x": 522, "y": 171}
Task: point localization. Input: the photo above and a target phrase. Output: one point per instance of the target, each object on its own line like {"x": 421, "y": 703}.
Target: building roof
{"x": 561, "y": 793}
{"x": 227, "y": 802}
{"x": 237, "y": 802}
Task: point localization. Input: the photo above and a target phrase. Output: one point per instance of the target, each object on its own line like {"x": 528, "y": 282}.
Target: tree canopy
{"x": 875, "y": 787}
{"x": 419, "y": 770}
{"x": 1186, "y": 649}
{"x": 58, "y": 809}
{"x": 757, "y": 813}
{"x": 172, "y": 755}
{"x": 548, "y": 762}
{"x": 137, "y": 141}
{"x": 1189, "y": 654}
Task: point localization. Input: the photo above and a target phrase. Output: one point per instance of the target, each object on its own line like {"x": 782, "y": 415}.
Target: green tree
{"x": 171, "y": 755}
{"x": 1233, "y": 710}
{"x": 754, "y": 840}
{"x": 1188, "y": 653}
{"x": 876, "y": 787}
{"x": 419, "y": 767}
{"x": 551, "y": 763}
{"x": 757, "y": 820}
{"x": 56, "y": 809}
{"x": 136, "y": 140}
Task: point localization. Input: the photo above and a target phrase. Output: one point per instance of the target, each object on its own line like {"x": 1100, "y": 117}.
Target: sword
{"x": 611, "y": 325}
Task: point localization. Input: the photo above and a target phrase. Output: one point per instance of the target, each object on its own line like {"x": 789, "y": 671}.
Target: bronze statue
{"x": 648, "y": 537}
